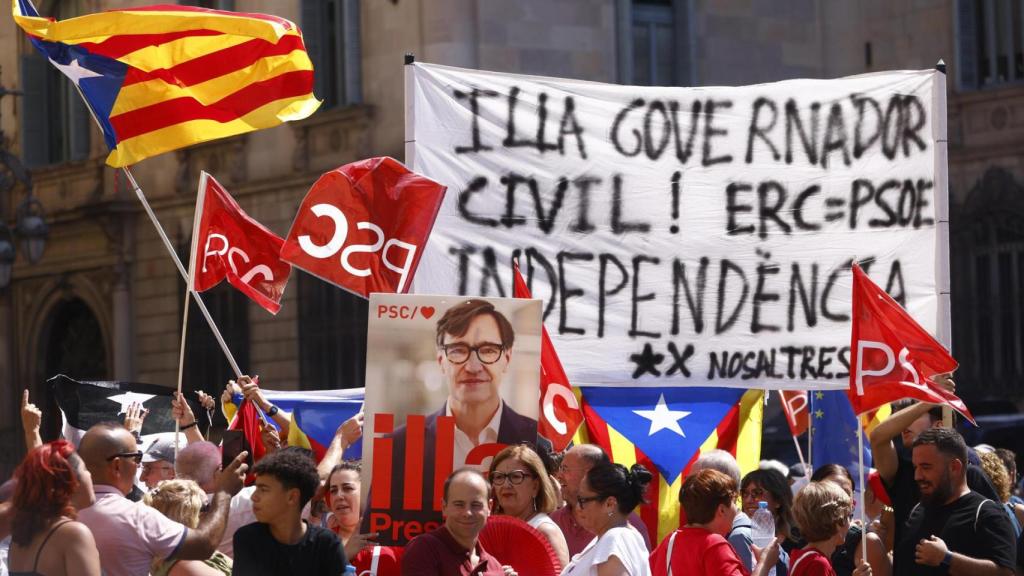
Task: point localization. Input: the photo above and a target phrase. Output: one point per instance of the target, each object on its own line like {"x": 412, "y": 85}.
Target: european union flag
{"x": 834, "y": 431}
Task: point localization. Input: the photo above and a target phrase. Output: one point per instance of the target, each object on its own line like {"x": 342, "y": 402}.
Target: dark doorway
{"x": 72, "y": 344}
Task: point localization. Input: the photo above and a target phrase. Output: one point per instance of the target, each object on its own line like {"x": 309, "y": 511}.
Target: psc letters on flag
{"x": 685, "y": 236}
{"x": 362, "y": 226}
{"x": 229, "y": 244}
{"x": 433, "y": 362}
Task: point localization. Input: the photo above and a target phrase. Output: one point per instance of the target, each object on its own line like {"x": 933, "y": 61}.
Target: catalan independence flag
{"x": 666, "y": 430}
{"x": 315, "y": 416}
{"x": 159, "y": 78}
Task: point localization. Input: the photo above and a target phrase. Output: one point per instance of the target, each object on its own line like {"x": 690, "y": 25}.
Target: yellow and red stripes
{"x": 739, "y": 433}
{"x": 194, "y": 74}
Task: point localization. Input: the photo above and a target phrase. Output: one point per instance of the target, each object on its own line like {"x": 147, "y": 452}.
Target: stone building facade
{"x": 106, "y": 301}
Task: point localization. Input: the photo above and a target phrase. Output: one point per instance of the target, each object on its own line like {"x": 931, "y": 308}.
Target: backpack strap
{"x": 977, "y": 513}
{"x": 792, "y": 569}
{"x": 668, "y": 554}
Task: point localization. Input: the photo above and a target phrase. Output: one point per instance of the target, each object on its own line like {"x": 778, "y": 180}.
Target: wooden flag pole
{"x": 860, "y": 468}
{"x": 184, "y": 274}
{"x": 181, "y": 366}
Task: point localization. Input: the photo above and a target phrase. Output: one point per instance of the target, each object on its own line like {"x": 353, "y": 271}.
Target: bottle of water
{"x": 349, "y": 570}
{"x": 762, "y": 530}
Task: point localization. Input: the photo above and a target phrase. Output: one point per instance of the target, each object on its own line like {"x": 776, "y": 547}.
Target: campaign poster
{"x": 450, "y": 381}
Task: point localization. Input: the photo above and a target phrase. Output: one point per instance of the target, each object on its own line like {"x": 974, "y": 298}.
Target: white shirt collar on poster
{"x": 464, "y": 444}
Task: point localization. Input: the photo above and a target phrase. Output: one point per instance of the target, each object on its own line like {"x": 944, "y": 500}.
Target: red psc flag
{"x": 558, "y": 420}
{"x": 794, "y": 405}
{"x": 891, "y": 356}
{"x": 229, "y": 244}
{"x": 363, "y": 226}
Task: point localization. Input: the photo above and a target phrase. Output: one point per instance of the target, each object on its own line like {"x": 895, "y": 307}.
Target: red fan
{"x": 519, "y": 545}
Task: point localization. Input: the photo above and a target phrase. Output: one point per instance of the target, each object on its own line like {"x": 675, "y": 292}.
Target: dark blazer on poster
{"x": 513, "y": 428}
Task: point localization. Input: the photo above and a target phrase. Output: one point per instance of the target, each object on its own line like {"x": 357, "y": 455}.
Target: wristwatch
{"x": 273, "y": 411}
{"x": 947, "y": 560}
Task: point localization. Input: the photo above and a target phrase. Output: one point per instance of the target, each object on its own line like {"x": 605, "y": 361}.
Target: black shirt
{"x": 904, "y": 492}
{"x": 973, "y": 526}
{"x": 258, "y": 553}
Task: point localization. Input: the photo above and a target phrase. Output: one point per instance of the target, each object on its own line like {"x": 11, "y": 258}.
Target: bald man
{"x": 454, "y": 548}
{"x": 130, "y": 536}
{"x": 574, "y": 467}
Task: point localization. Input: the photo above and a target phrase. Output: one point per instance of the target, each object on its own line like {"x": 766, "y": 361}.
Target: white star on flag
{"x": 128, "y": 398}
{"x": 662, "y": 418}
{"x": 75, "y": 71}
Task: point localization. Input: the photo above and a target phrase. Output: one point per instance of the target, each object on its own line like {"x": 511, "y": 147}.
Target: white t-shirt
{"x": 623, "y": 542}
{"x": 539, "y": 519}
{"x": 129, "y": 535}
{"x": 239, "y": 514}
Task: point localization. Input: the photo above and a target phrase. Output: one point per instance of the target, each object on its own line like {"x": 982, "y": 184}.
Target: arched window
{"x": 987, "y": 272}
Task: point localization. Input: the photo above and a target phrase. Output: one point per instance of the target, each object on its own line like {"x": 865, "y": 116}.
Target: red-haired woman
{"x": 45, "y": 540}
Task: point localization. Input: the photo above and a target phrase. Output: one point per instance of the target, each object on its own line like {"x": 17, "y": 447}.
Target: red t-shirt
{"x": 809, "y": 562}
{"x": 697, "y": 552}
{"x": 389, "y": 561}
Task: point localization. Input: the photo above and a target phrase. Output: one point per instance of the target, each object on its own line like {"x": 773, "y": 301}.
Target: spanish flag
{"x": 160, "y": 78}
{"x": 666, "y": 430}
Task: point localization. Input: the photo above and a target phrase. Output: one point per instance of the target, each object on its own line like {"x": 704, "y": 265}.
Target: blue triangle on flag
{"x": 668, "y": 425}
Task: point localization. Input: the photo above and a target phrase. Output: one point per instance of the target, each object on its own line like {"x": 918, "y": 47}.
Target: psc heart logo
{"x": 397, "y": 312}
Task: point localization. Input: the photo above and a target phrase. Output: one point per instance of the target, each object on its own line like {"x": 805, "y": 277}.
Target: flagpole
{"x": 810, "y": 434}
{"x": 181, "y": 366}
{"x": 945, "y": 329}
{"x": 860, "y": 471}
{"x": 181, "y": 269}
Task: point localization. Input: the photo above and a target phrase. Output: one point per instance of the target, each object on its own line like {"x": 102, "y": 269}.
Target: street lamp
{"x": 30, "y": 224}
{"x": 32, "y": 229}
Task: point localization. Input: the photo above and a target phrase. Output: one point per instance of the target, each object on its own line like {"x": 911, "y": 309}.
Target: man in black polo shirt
{"x": 953, "y": 530}
{"x": 890, "y": 449}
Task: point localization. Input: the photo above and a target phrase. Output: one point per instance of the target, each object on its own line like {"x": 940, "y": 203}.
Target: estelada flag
{"x": 794, "y": 406}
{"x": 363, "y": 226}
{"x": 83, "y": 403}
{"x": 891, "y": 356}
{"x": 559, "y": 420}
{"x": 227, "y": 243}
{"x": 159, "y": 78}
{"x": 666, "y": 430}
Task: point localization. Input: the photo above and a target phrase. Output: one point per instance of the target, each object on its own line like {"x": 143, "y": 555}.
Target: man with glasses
{"x": 130, "y": 536}
{"x": 158, "y": 460}
{"x": 474, "y": 348}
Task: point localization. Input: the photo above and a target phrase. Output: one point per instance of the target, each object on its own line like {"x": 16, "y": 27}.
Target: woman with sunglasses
{"x": 607, "y": 495}
{"x": 45, "y": 539}
{"x": 524, "y": 489}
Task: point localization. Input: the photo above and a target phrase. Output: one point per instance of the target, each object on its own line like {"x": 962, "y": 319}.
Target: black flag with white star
{"x": 85, "y": 403}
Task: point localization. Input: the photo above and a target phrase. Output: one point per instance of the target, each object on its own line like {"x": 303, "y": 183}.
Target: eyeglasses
{"x": 516, "y": 477}
{"x": 150, "y": 467}
{"x": 487, "y": 353}
{"x": 137, "y": 456}
{"x": 755, "y": 493}
{"x": 581, "y": 501}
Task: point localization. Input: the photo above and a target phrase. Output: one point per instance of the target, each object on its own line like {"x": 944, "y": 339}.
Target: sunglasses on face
{"x": 137, "y": 456}
{"x": 581, "y": 501}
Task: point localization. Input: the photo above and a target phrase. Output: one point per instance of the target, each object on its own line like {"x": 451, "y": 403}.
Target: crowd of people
{"x": 933, "y": 506}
